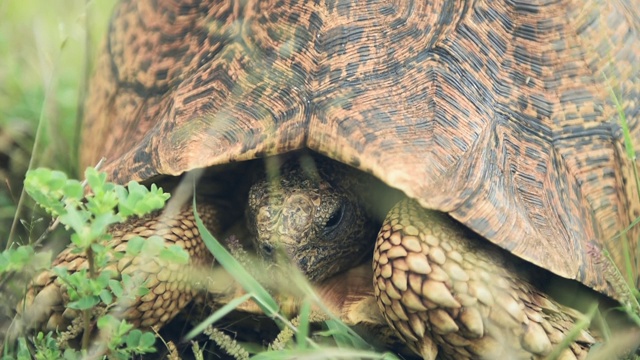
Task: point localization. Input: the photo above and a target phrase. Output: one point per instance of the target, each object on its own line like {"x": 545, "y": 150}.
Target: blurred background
{"x": 47, "y": 49}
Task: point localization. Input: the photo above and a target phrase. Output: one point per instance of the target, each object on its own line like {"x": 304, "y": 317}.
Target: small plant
{"x": 96, "y": 287}
{"x": 123, "y": 333}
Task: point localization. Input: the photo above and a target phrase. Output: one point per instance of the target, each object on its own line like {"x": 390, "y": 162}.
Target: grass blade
{"x": 325, "y": 353}
{"x": 219, "y": 314}
{"x": 248, "y": 283}
{"x": 303, "y": 327}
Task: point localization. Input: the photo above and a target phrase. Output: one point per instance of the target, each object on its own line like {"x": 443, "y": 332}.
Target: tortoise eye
{"x": 335, "y": 219}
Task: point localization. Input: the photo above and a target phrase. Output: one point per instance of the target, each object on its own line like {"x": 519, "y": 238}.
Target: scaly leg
{"x": 444, "y": 289}
{"x": 171, "y": 285}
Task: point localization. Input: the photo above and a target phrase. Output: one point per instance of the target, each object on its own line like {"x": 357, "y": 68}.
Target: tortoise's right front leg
{"x": 449, "y": 292}
{"x": 171, "y": 285}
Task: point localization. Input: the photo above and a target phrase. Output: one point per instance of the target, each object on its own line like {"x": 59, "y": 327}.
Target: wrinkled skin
{"x": 312, "y": 215}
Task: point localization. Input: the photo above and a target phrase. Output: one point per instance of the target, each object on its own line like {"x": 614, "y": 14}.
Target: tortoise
{"x": 499, "y": 116}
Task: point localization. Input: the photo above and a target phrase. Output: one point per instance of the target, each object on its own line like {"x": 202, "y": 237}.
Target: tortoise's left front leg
{"x": 171, "y": 285}
{"x": 448, "y": 291}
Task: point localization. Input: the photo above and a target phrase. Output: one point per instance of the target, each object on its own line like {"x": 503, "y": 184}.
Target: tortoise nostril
{"x": 267, "y": 249}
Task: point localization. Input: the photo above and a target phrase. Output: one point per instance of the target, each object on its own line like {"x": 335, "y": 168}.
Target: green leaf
{"x": 102, "y": 203}
{"x": 101, "y": 223}
{"x": 23, "y": 349}
{"x": 21, "y": 255}
{"x": 116, "y": 288}
{"x": 84, "y": 303}
{"x": 106, "y": 297}
{"x": 147, "y": 341}
{"x": 73, "y": 189}
{"x": 61, "y": 272}
{"x": 44, "y": 186}
{"x": 77, "y": 220}
{"x": 5, "y": 264}
{"x": 95, "y": 179}
{"x": 104, "y": 277}
{"x": 55, "y": 179}
{"x": 16, "y": 259}
{"x": 42, "y": 260}
{"x": 124, "y": 327}
{"x": 134, "y": 245}
{"x": 143, "y": 290}
{"x": 153, "y": 245}
{"x": 175, "y": 254}
{"x": 139, "y": 200}
{"x": 133, "y": 339}
{"x": 106, "y": 321}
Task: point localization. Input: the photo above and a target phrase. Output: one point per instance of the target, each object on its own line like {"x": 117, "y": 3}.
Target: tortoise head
{"x": 308, "y": 220}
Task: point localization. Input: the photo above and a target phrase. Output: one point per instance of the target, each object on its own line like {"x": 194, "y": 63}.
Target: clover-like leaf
{"x": 134, "y": 245}
{"x": 175, "y": 254}
{"x": 84, "y": 303}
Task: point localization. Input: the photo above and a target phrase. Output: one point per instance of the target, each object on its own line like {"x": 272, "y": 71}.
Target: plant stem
{"x": 86, "y": 313}
{"x": 86, "y": 335}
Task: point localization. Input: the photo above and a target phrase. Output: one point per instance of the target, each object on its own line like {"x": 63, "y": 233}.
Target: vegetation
{"x": 97, "y": 287}
{"x": 44, "y": 52}
{"x": 42, "y": 76}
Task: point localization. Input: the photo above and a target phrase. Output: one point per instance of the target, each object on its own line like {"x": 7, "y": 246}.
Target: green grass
{"x": 348, "y": 344}
{"x": 43, "y": 53}
{"x": 42, "y": 56}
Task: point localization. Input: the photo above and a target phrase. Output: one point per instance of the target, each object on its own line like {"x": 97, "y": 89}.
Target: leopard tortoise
{"x": 498, "y": 120}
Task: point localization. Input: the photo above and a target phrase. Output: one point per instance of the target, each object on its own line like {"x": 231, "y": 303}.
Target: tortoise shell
{"x": 500, "y": 113}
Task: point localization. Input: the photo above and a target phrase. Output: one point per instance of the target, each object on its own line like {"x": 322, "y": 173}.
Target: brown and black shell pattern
{"x": 500, "y": 113}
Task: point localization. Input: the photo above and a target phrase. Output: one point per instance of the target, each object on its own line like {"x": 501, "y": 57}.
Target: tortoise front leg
{"x": 444, "y": 289}
{"x": 171, "y": 285}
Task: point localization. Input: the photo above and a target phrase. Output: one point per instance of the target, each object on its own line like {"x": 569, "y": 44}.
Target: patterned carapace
{"x": 501, "y": 113}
